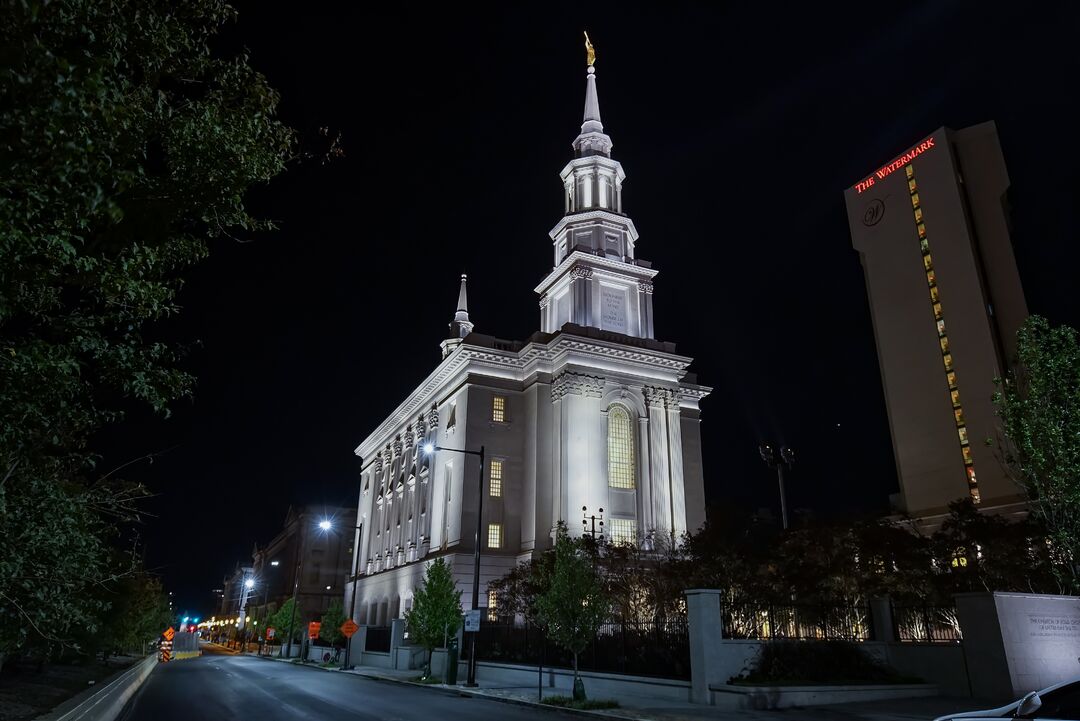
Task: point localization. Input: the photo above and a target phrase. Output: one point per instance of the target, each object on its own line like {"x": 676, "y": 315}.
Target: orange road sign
{"x": 349, "y": 628}
{"x": 169, "y": 633}
{"x": 313, "y": 629}
{"x": 270, "y": 632}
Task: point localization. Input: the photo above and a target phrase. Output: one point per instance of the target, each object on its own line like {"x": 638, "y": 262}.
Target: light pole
{"x": 355, "y": 571}
{"x": 324, "y": 525}
{"x": 430, "y": 448}
{"x": 779, "y": 459}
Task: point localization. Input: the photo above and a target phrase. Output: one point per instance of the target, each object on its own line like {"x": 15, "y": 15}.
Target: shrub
{"x": 793, "y": 662}
{"x": 586, "y": 704}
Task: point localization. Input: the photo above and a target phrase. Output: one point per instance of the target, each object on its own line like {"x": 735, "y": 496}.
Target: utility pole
{"x": 779, "y": 459}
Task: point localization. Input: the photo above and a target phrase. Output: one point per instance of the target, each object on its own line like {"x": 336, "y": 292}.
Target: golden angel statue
{"x": 590, "y": 52}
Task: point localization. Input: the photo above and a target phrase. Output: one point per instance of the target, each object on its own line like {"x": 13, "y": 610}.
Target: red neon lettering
{"x": 886, "y": 170}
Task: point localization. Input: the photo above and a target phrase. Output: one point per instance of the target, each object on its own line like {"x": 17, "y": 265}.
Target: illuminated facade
{"x": 590, "y": 412}
{"x": 945, "y": 296}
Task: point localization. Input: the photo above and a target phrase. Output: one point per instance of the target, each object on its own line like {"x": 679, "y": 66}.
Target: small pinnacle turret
{"x": 461, "y": 326}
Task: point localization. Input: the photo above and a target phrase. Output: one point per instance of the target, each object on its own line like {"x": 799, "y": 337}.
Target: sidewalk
{"x": 642, "y": 708}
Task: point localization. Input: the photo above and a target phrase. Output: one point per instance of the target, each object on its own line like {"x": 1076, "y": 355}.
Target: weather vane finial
{"x": 590, "y": 52}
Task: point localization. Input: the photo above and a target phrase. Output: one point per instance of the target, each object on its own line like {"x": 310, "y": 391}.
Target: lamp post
{"x": 779, "y": 459}
{"x": 324, "y": 525}
{"x": 430, "y": 448}
{"x": 355, "y": 571}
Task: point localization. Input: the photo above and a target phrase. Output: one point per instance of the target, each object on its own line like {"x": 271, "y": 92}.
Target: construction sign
{"x": 349, "y": 628}
{"x": 270, "y": 631}
{"x": 313, "y": 629}
{"x": 169, "y": 633}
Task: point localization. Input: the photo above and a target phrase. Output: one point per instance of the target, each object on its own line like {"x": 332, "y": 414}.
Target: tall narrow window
{"x": 494, "y": 535}
{"x": 623, "y": 531}
{"x": 493, "y": 605}
{"x": 620, "y": 448}
{"x": 495, "y": 473}
{"x": 498, "y": 409}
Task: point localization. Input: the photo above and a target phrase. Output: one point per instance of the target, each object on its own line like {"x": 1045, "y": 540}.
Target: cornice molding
{"x": 578, "y": 258}
{"x": 589, "y": 215}
{"x": 565, "y": 349}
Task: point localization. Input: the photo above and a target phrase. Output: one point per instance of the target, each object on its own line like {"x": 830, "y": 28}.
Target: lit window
{"x": 922, "y": 230}
{"x": 955, "y": 398}
{"x": 971, "y": 475}
{"x": 623, "y": 531}
{"x": 959, "y": 560}
{"x": 493, "y": 605}
{"x": 974, "y": 493}
{"x": 910, "y": 170}
{"x": 498, "y": 409}
{"x": 494, "y": 535}
{"x": 918, "y": 215}
{"x": 937, "y": 311}
{"x": 967, "y": 454}
{"x": 962, "y": 432}
{"x": 924, "y": 245}
{"x": 915, "y": 200}
{"x": 927, "y": 262}
{"x": 947, "y": 359}
{"x": 620, "y": 449}
{"x": 911, "y": 184}
{"x": 941, "y": 328}
{"x": 495, "y": 478}
{"x": 958, "y": 413}
{"x": 934, "y": 294}
{"x": 944, "y": 342}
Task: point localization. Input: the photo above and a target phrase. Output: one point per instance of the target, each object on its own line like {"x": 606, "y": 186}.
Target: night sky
{"x": 739, "y": 126}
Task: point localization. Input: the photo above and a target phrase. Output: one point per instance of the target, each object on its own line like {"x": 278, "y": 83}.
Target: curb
{"x": 461, "y": 691}
{"x": 106, "y": 702}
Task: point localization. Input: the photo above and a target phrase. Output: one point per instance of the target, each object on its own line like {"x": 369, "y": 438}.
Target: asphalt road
{"x": 217, "y": 686}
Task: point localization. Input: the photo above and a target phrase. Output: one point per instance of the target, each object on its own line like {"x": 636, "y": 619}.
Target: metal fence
{"x": 797, "y": 622}
{"x": 926, "y": 624}
{"x": 378, "y": 639}
{"x": 643, "y": 649}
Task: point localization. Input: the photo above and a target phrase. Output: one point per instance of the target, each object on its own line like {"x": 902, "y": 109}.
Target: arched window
{"x": 620, "y": 449}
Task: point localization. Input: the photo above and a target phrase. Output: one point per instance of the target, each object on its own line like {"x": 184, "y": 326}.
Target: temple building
{"x": 589, "y": 416}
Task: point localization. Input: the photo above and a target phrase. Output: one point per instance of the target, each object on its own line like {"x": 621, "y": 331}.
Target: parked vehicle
{"x": 1060, "y": 702}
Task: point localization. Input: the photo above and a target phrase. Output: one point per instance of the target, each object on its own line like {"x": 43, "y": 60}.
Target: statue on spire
{"x": 590, "y": 51}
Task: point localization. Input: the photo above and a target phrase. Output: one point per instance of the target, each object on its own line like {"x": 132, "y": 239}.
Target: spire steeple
{"x": 592, "y": 140}
{"x": 461, "y": 326}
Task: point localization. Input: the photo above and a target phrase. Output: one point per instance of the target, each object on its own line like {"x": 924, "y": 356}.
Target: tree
{"x": 1039, "y": 407}
{"x": 436, "y": 609}
{"x": 332, "y": 618}
{"x": 127, "y": 150}
{"x": 280, "y": 621}
{"x": 574, "y": 602}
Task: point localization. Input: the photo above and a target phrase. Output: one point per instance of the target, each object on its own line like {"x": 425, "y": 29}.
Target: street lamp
{"x": 430, "y": 448}
{"x": 324, "y": 525}
{"x": 779, "y": 459}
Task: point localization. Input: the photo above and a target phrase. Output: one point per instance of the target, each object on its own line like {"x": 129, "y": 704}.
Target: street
{"x": 218, "y": 686}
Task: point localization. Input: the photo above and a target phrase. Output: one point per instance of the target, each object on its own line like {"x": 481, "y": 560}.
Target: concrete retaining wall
{"x": 597, "y": 685}
{"x": 773, "y": 697}
{"x": 104, "y": 703}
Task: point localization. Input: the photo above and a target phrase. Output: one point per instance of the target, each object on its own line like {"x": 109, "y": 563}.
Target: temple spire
{"x": 461, "y": 326}
{"x": 592, "y": 140}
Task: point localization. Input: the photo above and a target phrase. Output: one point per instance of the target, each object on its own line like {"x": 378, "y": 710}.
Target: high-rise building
{"x": 932, "y": 232}
{"x": 589, "y": 416}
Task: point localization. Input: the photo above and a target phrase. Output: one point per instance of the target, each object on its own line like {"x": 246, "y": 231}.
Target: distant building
{"x": 932, "y": 232}
{"x": 325, "y": 567}
{"x": 589, "y": 416}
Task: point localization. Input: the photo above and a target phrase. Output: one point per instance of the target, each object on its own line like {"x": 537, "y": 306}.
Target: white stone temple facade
{"x": 591, "y": 412}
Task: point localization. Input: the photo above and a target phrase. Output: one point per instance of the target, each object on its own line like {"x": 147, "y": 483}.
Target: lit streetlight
{"x": 359, "y": 528}
{"x": 429, "y": 449}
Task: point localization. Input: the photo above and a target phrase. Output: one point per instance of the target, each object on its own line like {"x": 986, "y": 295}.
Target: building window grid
{"x": 943, "y": 338}
{"x": 494, "y": 535}
{"x": 620, "y": 449}
{"x": 495, "y": 478}
{"x": 498, "y": 409}
{"x": 622, "y": 530}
